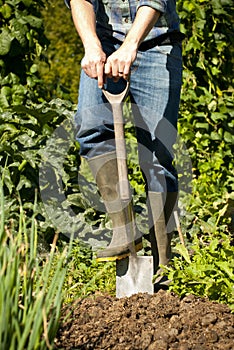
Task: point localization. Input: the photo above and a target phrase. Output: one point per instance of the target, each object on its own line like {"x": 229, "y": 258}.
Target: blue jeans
{"x": 155, "y": 86}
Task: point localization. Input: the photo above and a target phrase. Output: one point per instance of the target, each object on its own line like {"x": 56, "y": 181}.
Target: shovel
{"x": 134, "y": 274}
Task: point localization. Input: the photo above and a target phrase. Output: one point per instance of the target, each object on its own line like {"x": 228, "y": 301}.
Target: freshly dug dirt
{"x": 161, "y": 321}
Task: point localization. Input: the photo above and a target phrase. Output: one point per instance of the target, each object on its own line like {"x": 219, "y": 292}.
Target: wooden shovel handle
{"x": 115, "y": 100}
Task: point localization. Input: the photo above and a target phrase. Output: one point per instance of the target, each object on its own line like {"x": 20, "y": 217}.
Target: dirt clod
{"x": 161, "y": 321}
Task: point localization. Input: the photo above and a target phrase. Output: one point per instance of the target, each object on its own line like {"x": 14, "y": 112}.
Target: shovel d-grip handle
{"x": 115, "y": 101}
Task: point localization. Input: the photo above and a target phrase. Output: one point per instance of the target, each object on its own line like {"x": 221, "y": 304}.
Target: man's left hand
{"x": 119, "y": 63}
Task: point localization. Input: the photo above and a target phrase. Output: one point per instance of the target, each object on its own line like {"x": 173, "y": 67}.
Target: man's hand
{"x": 119, "y": 63}
{"x": 85, "y": 22}
{"x": 93, "y": 64}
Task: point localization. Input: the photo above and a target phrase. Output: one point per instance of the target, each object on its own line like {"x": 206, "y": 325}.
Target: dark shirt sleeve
{"x": 159, "y": 5}
{"x": 67, "y": 2}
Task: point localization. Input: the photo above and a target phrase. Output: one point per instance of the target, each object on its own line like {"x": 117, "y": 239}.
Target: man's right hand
{"x": 94, "y": 59}
{"x": 93, "y": 64}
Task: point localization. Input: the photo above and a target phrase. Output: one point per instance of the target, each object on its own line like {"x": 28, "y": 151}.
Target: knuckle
{"x": 83, "y": 64}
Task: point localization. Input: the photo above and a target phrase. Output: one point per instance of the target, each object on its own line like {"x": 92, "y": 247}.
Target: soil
{"x": 162, "y": 321}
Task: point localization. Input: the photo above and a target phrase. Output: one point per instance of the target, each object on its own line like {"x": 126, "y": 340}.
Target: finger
{"x": 121, "y": 69}
{"x": 83, "y": 63}
{"x": 121, "y": 75}
{"x": 126, "y": 70}
{"x": 100, "y": 74}
{"x": 114, "y": 69}
{"x": 107, "y": 69}
{"x": 88, "y": 68}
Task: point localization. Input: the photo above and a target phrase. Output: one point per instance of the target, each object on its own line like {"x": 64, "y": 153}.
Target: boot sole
{"x": 138, "y": 247}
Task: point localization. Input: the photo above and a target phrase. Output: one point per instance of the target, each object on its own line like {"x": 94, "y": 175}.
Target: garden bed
{"x": 162, "y": 321}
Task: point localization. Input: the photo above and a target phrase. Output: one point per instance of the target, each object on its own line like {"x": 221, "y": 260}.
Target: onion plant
{"x": 30, "y": 288}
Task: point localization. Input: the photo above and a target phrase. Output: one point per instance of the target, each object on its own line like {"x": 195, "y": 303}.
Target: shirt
{"x": 115, "y": 18}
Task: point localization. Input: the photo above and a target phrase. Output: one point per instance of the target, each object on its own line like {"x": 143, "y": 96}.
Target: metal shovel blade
{"x": 134, "y": 274}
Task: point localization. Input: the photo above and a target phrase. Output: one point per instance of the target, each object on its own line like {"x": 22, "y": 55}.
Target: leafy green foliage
{"x": 205, "y": 127}
{"x": 206, "y": 114}
{"x": 21, "y": 42}
{"x": 24, "y": 130}
{"x": 207, "y": 271}
{"x": 23, "y": 133}
{"x": 86, "y": 276}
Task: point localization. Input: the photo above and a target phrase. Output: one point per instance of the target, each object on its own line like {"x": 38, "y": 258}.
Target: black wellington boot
{"x": 162, "y": 246}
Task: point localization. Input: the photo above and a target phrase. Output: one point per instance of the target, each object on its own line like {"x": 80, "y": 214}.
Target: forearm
{"x": 145, "y": 19}
{"x": 119, "y": 63}
{"x": 85, "y": 22}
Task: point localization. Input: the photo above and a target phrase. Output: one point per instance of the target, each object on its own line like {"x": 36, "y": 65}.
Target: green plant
{"x": 27, "y": 127}
{"x": 21, "y": 42}
{"x": 206, "y": 127}
{"x": 30, "y": 291}
{"x": 86, "y": 276}
{"x": 206, "y": 114}
{"x": 24, "y": 131}
{"x": 206, "y": 270}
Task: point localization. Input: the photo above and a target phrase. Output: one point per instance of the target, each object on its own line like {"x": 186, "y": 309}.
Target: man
{"x": 141, "y": 38}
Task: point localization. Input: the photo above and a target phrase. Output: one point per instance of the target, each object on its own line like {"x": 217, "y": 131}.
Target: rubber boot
{"x": 170, "y": 207}
{"x": 159, "y": 237}
{"x": 126, "y": 239}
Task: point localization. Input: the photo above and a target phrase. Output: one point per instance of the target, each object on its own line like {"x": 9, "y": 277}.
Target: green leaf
{"x": 184, "y": 252}
{"x": 216, "y": 116}
{"x": 24, "y": 182}
{"x": 225, "y": 266}
{"x": 19, "y": 31}
{"x": 27, "y": 2}
{"x": 5, "y": 41}
{"x": 202, "y": 126}
{"x": 6, "y": 11}
{"x": 228, "y": 137}
{"x": 215, "y": 136}
{"x": 32, "y": 20}
{"x": 8, "y": 127}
